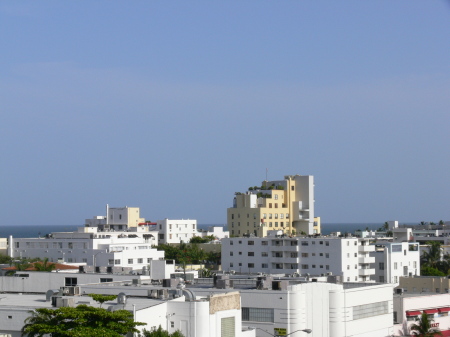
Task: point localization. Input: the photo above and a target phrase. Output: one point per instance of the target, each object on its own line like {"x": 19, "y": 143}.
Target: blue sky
{"x": 174, "y": 106}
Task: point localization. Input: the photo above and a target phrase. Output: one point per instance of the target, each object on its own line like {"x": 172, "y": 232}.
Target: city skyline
{"x": 174, "y": 107}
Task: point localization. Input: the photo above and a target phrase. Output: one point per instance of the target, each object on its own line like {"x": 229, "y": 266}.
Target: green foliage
{"x": 80, "y": 321}
{"x": 160, "y": 333}
{"x": 430, "y": 271}
{"x": 432, "y": 258}
{"x": 5, "y": 259}
{"x": 44, "y": 265}
{"x": 199, "y": 239}
{"x": 423, "y": 327}
{"x": 102, "y": 298}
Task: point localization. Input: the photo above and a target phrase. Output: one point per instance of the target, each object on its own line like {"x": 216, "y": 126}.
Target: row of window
{"x": 269, "y": 224}
{"x": 280, "y": 243}
{"x": 283, "y": 266}
{"x": 139, "y": 260}
{"x": 265, "y": 215}
{"x": 180, "y": 226}
{"x": 56, "y": 245}
{"x": 286, "y": 255}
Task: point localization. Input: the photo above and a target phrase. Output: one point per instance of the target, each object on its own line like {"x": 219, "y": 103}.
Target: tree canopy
{"x": 160, "y": 333}
{"x": 80, "y": 321}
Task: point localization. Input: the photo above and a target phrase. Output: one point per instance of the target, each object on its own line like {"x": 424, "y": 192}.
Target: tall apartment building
{"x": 286, "y": 205}
{"x": 346, "y": 257}
{"x": 396, "y": 259}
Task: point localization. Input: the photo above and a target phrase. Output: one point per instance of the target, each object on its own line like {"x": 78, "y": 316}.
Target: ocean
{"x": 36, "y": 230}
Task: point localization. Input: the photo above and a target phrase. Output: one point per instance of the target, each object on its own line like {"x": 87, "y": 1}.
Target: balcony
{"x": 366, "y": 248}
{"x": 366, "y": 260}
{"x": 366, "y": 272}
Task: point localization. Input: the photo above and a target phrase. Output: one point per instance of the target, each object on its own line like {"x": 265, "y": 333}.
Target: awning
{"x": 446, "y": 309}
{"x": 413, "y": 313}
{"x": 431, "y": 311}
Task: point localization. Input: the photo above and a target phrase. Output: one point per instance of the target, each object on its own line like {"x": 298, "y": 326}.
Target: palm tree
{"x": 432, "y": 257}
{"x": 44, "y": 265}
{"x": 423, "y": 327}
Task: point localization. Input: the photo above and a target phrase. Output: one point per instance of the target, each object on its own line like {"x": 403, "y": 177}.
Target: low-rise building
{"x": 116, "y": 218}
{"x": 280, "y": 254}
{"x": 90, "y": 246}
{"x": 409, "y": 307}
{"x": 282, "y": 306}
{"x": 424, "y": 284}
{"x": 176, "y": 231}
{"x": 217, "y": 315}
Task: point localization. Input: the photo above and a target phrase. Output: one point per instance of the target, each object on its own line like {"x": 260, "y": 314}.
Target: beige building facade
{"x": 286, "y": 205}
{"x": 424, "y": 284}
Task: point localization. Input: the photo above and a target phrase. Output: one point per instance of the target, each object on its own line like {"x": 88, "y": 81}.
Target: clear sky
{"x": 173, "y": 106}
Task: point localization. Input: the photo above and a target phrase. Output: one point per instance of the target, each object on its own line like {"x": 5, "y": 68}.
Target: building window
{"x": 327, "y": 267}
{"x": 251, "y": 253}
{"x": 172, "y": 324}
{"x": 231, "y": 264}
{"x": 281, "y": 216}
{"x": 231, "y": 253}
{"x": 232, "y": 216}
{"x": 258, "y": 315}
{"x": 327, "y": 255}
{"x": 240, "y": 253}
{"x": 382, "y": 279}
{"x": 264, "y": 243}
{"x": 264, "y": 265}
{"x": 304, "y": 254}
{"x": 395, "y": 265}
{"x": 70, "y": 281}
{"x": 370, "y": 310}
{"x": 305, "y": 243}
{"x": 251, "y": 243}
{"x": 270, "y": 215}
{"x": 117, "y": 261}
{"x": 305, "y": 266}
{"x": 327, "y": 243}
{"x": 140, "y": 260}
{"x": 381, "y": 265}
{"x": 130, "y": 261}
{"x": 264, "y": 254}
{"x": 104, "y": 280}
{"x": 264, "y": 216}
{"x": 251, "y": 265}
{"x": 227, "y": 327}
{"x": 294, "y": 255}
{"x": 292, "y": 188}
{"x": 270, "y": 205}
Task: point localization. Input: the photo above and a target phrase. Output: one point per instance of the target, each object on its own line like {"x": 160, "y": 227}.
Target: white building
{"x": 97, "y": 248}
{"x": 409, "y": 307}
{"x": 216, "y": 231}
{"x": 346, "y": 257}
{"x": 218, "y": 315}
{"x": 395, "y": 259}
{"x": 328, "y": 309}
{"x": 176, "y": 231}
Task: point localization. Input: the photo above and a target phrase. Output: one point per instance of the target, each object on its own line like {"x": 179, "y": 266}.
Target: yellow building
{"x": 286, "y": 205}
